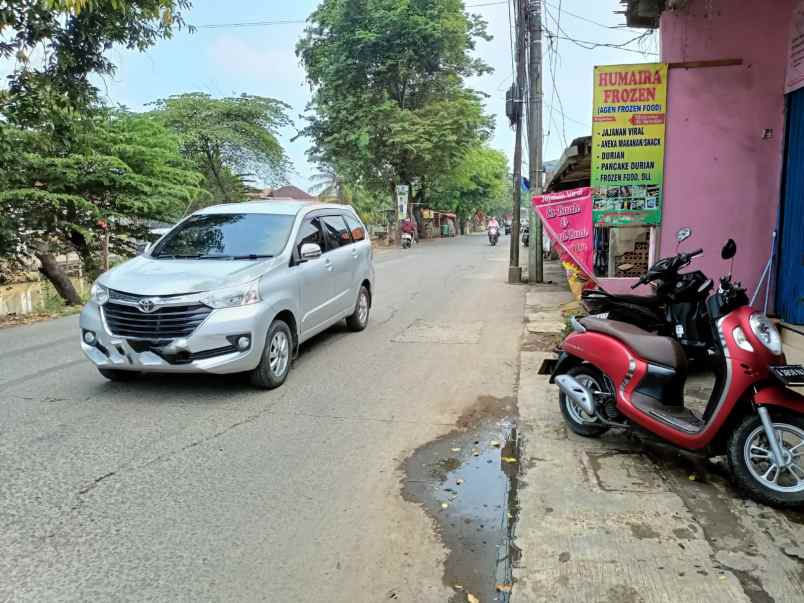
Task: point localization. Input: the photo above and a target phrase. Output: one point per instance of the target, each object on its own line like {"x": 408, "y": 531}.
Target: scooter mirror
{"x": 729, "y": 250}
{"x": 683, "y": 234}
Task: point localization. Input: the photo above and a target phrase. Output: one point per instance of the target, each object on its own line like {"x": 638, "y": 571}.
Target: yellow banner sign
{"x": 628, "y": 144}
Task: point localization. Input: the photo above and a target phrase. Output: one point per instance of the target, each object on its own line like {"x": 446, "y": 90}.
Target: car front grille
{"x": 168, "y": 322}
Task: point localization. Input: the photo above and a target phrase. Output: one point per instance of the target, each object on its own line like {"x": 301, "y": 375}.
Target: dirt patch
{"x": 540, "y": 342}
{"x": 467, "y": 481}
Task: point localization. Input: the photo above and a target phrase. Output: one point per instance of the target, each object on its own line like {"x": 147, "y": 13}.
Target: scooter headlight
{"x": 766, "y": 332}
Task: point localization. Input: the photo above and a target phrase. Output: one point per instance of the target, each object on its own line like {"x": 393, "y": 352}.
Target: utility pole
{"x": 514, "y": 270}
{"x": 535, "y": 253}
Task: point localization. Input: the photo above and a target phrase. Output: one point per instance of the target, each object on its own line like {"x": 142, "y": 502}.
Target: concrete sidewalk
{"x": 619, "y": 520}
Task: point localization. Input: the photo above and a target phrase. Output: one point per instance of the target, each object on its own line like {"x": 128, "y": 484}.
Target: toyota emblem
{"x": 147, "y": 304}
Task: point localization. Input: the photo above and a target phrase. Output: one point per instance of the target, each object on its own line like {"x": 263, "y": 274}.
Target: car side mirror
{"x": 729, "y": 250}
{"x": 309, "y": 251}
{"x": 145, "y": 249}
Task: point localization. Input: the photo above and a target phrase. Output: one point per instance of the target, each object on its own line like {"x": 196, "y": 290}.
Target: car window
{"x": 226, "y": 236}
{"x": 358, "y": 232}
{"x": 336, "y": 232}
{"x": 310, "y": 232}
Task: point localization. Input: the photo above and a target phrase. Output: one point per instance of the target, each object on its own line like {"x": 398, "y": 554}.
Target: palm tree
{"x": 329, "y": 186}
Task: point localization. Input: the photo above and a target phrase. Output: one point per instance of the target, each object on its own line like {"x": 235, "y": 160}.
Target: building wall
{"x": 721, "y": 177}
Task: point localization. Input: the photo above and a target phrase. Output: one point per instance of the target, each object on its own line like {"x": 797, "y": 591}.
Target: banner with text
{"x": 630, "y": 102}
{"x": 567, "y": 216}
{"x": 795, "y": 58}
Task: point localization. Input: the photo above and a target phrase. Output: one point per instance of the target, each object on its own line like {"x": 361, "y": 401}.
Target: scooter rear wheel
{"x": 751, "y": 461}
{"x": 577, "y": 420}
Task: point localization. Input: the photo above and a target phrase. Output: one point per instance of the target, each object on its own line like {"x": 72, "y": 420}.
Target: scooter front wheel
{"x": 577, "y": 420}
{"x": 754, "y": 468}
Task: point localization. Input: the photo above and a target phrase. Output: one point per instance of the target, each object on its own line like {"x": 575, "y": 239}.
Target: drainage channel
{"x": 467, "y": 482}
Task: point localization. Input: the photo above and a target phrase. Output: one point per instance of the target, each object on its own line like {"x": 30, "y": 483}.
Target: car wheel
{"x": 118, "y": 375}
{"x": 277, "y": 355}
{"x": 358, "y": 320}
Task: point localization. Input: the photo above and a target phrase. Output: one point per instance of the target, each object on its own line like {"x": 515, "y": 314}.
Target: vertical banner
{"x": 795, "y": 56}
{"x": 630, "y": 102}
{"x": 567, "y": 217}
{"x": 402, "y": 191}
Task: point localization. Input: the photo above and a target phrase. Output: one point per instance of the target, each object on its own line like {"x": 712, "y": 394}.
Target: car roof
{"x": 285, "y": 207}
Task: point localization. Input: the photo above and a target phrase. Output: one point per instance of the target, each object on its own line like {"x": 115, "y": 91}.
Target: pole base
{"x": 514, "y": 274}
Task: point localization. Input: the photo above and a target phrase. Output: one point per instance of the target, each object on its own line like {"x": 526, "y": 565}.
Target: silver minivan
{"x": 232, "y": 288}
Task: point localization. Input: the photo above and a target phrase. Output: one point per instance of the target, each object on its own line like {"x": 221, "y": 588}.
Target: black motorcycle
{"x": 526, "y": 235}
{"x": 676, "y": 308}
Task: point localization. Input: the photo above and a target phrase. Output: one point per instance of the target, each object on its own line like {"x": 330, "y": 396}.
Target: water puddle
{"x": 467, "y": 482}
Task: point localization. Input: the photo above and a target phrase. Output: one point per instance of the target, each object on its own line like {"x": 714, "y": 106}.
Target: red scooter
{"x": 613, "y": 374}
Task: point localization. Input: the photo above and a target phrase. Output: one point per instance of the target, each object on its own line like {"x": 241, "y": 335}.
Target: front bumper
{"x": 207, "y": 350}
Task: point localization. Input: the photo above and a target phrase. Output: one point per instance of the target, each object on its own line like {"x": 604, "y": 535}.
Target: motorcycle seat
{"x": 652, "y": 348}
{"x": 639, "y": 300}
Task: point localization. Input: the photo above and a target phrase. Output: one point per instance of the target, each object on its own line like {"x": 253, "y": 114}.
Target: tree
{"x": 479, "y": 183}
{"x": 74, "y": 35}
{"x": 124, "y": 169}
{"x": 229, "y": 138}
{"x": 389, "y": 102}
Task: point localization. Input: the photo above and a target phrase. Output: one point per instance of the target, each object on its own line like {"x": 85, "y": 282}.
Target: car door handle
{"x": 354, "y": 253}
{"x": 328, "y": 264}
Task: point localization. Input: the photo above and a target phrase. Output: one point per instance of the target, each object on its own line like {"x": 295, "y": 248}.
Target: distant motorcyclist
{"x": 493, "y": 224}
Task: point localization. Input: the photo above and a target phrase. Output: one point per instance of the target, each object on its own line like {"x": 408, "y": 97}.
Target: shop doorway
{"x": 790, "y": 279}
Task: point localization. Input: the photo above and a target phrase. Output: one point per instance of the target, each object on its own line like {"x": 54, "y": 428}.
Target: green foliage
{"x": 389, "y": 100}
{"x": 122, "y": 170}
{"x": 479, "y": 183}
{"x": 74, "y": 35}
{"x": 228, "y": 138}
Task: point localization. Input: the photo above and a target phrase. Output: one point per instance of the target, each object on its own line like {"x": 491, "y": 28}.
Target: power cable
{"x": 302, "y": 21}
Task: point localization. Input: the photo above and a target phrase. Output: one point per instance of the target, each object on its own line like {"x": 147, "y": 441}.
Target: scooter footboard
{"x": 778, "y": 395}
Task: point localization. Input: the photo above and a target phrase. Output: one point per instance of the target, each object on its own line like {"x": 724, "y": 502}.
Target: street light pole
{"x": 535, "y": 253}
{"x": 514, "y": 269}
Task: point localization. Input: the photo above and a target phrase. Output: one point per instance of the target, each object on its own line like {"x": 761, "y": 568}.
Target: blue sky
{"x": 260, "y": 60}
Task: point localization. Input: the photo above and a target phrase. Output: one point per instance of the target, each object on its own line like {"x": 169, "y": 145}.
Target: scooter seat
{"x": 637, "y": 300}
{"x": 653, "y": 348}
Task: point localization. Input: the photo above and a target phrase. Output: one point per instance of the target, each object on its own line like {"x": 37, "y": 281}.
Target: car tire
{"x": 578, "y": 421}
{"x": 118, "y": 376}
{"x": 358, "y": 320}
{"x": 277, "y": 356}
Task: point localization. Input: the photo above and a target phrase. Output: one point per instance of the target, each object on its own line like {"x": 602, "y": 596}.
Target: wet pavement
{"x": 467, "y": 482}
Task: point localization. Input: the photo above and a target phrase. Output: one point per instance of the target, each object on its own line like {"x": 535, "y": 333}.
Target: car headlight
{"x": 99, "y": 294}
{"x": 243, "y": 295}
{"x": 766, "y": 332}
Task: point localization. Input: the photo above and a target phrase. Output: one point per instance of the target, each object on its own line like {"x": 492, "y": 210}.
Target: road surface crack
{"x": 95, "y": 482}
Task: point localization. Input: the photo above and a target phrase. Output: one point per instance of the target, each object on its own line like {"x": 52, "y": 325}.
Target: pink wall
{"x": 721, "y": 177}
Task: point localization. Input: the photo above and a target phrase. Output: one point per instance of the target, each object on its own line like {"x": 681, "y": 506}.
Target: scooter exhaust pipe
{"x": 577, "y": 393}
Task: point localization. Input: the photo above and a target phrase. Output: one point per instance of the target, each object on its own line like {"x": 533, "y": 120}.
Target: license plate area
{"x": 789, "y": 374}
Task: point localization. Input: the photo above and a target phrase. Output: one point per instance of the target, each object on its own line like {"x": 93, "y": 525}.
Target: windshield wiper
{"x": 168, "y": 256}
{"x": 252, "y": 256}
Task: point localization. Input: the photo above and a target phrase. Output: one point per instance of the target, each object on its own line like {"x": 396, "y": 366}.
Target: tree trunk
{"x": 214, "y": 167}
{"x": 56, "y": 275}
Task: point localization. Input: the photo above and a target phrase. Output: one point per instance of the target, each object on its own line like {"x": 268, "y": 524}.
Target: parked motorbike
{"x": 526, "y": 235}
{"x": 494, "y": 234}
{"x": 407, "y": 240}
{"x": 614, "y": 374}
{"x": 676, "y": 308}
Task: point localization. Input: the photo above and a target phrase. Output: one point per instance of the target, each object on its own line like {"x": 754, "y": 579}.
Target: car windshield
{"x": 226, "y": 237}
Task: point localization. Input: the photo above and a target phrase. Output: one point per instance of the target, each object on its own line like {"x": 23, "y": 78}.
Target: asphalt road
{"x": 201, "y": 488}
